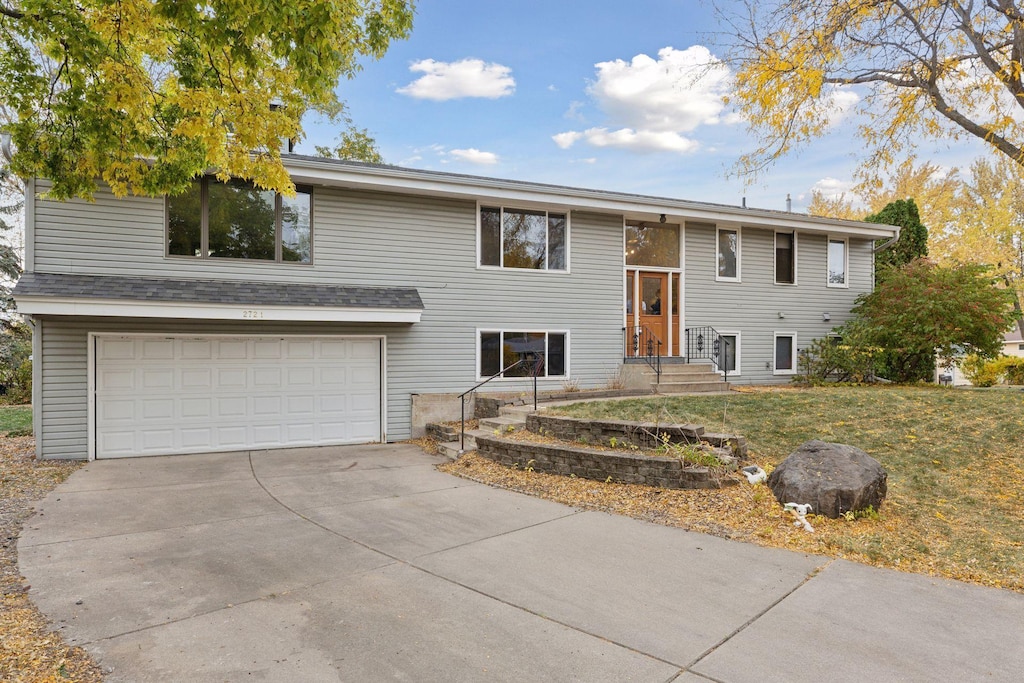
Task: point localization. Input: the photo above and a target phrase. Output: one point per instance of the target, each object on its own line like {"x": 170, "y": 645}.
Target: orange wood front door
{"x": 654, "y": 307}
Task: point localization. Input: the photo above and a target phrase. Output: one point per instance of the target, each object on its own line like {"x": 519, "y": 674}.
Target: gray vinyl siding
{"x": 360, "y": 238}
{"x": 752, "y": 306}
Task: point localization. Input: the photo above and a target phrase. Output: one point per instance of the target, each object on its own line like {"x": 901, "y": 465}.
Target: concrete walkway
{"x": 365, "y": 564}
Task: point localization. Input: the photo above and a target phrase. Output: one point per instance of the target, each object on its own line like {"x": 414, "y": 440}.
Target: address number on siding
{"x": 252, "y": 314}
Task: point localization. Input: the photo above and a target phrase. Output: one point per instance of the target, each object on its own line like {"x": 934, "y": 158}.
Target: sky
{"x": 597, "y": 95}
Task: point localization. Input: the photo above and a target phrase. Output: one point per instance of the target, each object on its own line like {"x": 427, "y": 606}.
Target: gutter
{"x": 888, "y": 243}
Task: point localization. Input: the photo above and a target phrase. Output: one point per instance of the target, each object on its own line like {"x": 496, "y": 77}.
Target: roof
{"x": 382, "y": 177}
{"x": 1013, "y": 336}
{"x": 41, "y": 293}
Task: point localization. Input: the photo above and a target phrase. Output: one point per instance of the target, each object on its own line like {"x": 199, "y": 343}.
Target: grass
{"x": 955, "y": 460}
{"x": 17, "y": 419}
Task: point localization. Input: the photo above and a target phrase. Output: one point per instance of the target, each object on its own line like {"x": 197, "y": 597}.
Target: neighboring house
{"x": 231, "y": 319}
{"x": 1013, "y": 343}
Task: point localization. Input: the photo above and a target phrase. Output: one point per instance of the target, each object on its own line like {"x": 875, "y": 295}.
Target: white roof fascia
{"x": 634, "y": 207}
{"x": 37, "y": 305}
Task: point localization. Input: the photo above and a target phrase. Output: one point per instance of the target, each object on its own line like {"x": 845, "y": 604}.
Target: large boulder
{"x": 833, "y": 477}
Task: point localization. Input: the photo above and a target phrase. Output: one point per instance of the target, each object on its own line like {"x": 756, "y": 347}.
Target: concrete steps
{"x": 686, "y": 378}
{"x": 512, "y": 419}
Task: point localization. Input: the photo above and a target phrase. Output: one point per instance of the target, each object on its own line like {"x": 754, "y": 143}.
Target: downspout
{"x": 889, "y": 243}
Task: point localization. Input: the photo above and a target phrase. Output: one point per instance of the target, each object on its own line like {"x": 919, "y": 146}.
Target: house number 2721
{"x": 252, "y": 314}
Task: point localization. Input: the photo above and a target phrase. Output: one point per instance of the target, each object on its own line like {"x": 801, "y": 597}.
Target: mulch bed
{"x": 30, "y": 651}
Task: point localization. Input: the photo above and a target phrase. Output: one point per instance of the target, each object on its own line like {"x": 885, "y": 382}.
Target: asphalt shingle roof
{"x": 214, "y": 291}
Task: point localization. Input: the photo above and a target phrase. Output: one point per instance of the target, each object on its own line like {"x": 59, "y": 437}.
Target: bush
{"x": 20, "y": 388}
{"x": 833, "y": 359}
{"x": 982, "y": 372}
{"x": 1013, "y": 369}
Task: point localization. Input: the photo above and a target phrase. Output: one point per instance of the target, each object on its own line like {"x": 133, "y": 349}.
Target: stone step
{"x": 504, "y": 423}
{"x": 717, "y": 386}
{"x": 452, "y": 449}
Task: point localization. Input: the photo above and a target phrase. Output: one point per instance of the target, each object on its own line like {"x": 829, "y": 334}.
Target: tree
{"x": 915, "y": 69}
{"x": 990, "y": 225}
{"x": 11, "y": 205}
{"x": 913, "y": 240}
{"x": 354, "y": 144}
{"x": 147, "y": 94}
{"x": 922, "y": 309}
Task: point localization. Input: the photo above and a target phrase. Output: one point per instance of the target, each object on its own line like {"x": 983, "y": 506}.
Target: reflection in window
{"x": 836, "y": 262}
{"x": 785, "y": 258}
{"x": 238, "y": 220}
{"x": 784, "y": 356}
{"x": 728, "y": 253}
{"x": 652, "y": 244}
{"x": 533, "y": 240}
{"x": 242, "y": 221}
{"x": 499, "y": 350}
{"x": 727, "y": 352}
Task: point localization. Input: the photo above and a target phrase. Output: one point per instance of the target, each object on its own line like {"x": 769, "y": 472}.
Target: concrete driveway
{"x": 365, "y": 563}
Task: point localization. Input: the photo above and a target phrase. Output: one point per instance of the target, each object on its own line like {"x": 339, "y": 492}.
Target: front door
{"x": 654, "y": 306}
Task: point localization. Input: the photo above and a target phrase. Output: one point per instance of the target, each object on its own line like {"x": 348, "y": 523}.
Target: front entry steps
{"x": 511, "y": 419}
{"x": 677, "y": 378}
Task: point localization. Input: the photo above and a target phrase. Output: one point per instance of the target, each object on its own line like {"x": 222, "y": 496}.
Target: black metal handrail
{"x": 705, "y": 343}
{"x": 643, "y": 343}
{"x": 538, "y": 362}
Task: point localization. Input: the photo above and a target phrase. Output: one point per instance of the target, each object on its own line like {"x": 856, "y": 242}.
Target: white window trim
{"x": 522, "y": 330}
{"x": 846, "y": 261}
{"x": 739, "y": 252}
{"x": 526, "y": 206}
{"x": 796, "y": 354}
{"x": 739, "y": 345}
{"x": 775, "y": 259}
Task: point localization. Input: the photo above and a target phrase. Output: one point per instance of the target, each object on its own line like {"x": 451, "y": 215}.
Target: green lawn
{"x": 955, "y": 460}
{"x": 15, "y": 419}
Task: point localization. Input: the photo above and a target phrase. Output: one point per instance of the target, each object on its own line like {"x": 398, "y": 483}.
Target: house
{"x": 230, "y": 318}
{"x": 1013, "y": 343}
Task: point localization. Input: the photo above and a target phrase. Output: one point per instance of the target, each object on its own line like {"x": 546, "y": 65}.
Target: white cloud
{"x": 627, "y": 138}
{"x": 832, "y": 188}
{"x": 840, "y": 102}
{"x": 567, "y": 139}
{"x": 653, "y": 104}
{"x": 464, "y": 78}
{"x": 474, "y": 156}
{"x": 573, "y": 112}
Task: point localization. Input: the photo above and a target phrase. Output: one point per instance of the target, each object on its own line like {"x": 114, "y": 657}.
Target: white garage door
{"x": 158, "y": 395}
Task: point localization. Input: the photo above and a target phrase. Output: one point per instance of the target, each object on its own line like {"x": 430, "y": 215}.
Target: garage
{"x": 163, "y": 395}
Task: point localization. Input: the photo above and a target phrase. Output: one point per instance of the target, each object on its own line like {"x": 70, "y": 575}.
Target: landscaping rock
{"x": 833, "y": 477}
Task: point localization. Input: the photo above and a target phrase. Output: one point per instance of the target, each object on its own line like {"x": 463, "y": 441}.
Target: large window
{"x": 652, "y": 244}
{"x": 238, "y": 220}
{"x": 500, "y": 349}
{"x": 785, "y": 353}
{"x": 785, "y": 258}
{"x": 728, "y": 254}
{"x": 836, "y": 262}
{"x": 516, "y": 238}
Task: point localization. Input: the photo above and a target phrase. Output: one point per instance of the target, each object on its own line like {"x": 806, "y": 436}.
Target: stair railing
{"x": 535, "y": 361}
{"x": 640, "y": 342}
{"x": 705, "y": 343}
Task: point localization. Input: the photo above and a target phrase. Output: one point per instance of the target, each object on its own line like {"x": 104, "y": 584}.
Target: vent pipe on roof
{"x": 744, "y": 205}
{"x": 789, "y": 203}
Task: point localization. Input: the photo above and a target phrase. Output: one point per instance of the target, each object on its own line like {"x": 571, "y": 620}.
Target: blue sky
{"x": 599, "y": 95}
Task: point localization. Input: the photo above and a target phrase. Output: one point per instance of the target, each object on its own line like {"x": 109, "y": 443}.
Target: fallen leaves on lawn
{"x": 743, "y": 513}
{"x": 30, "y": 652}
